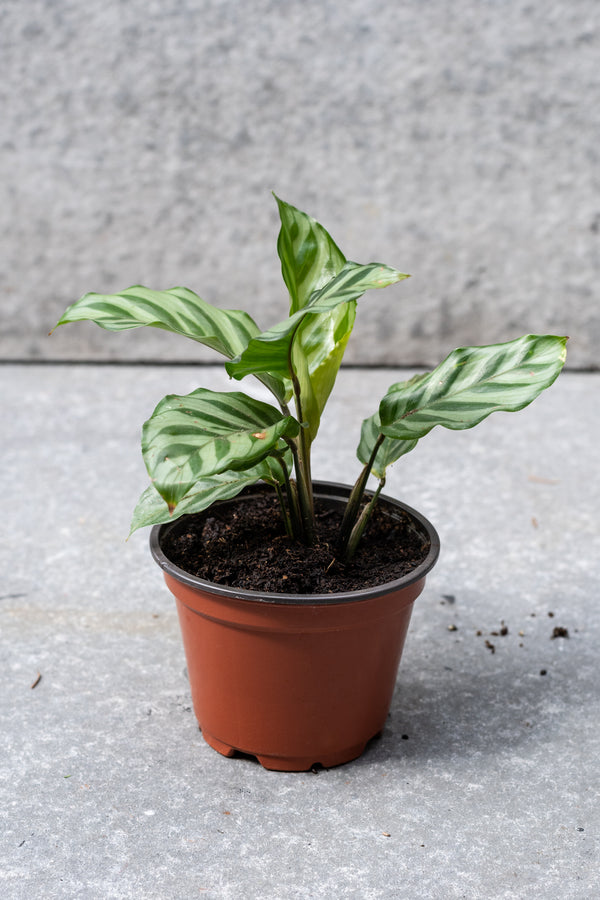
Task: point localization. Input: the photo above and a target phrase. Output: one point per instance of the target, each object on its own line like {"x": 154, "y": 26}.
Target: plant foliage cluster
{"x": 209, "y": 445}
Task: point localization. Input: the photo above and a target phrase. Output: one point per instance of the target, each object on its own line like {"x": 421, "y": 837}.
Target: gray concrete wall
{"x": 457, "y": 141}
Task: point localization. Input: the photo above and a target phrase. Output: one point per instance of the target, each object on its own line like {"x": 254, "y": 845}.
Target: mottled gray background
{"x": 456, "y": 141}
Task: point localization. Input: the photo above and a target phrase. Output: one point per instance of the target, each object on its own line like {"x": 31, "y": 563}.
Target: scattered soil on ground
{"x": 244, "y": 545}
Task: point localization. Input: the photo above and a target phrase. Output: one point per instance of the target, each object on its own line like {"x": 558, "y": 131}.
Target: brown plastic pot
{"x": 295, "y": 680}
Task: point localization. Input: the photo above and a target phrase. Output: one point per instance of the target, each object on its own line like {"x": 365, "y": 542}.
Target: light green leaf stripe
{"x": 206, "y": 433}
{"x": 309, "y": 256}
{"x": 269, "y": 351}
{"x": 390, "y": 450}
{"x": 471, "y": 383}
{"x": 151, "y": 509}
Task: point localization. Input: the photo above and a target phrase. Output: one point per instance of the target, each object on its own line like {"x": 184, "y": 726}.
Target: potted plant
{"x": 294, "y": 597}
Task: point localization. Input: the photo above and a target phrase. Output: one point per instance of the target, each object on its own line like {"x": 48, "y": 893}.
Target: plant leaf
{"x": 206, "y": 433}
{"x": 317, "y": 353}
{"x": 390, "y": 450}
{"x": 151, "y": 509}
{"x": 178, "y": 310}
{"x": 351, "y": 283}
{"x": 270, "y": 351}
{"x": 471, "y": 383}
{"x": 309, "y": 256}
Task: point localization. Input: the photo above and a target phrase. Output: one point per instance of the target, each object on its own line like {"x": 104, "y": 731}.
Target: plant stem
{"x": 361, "y": 524}
{"x": 284, "y": 512}
{"x": 291, "y": 515}
{"x": 305, "y": 497}
{"x": 355, "y": 499}
{"x": 302, "y": 467}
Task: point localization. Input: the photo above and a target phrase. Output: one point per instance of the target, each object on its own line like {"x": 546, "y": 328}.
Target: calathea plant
{"x": 209, "y": 445}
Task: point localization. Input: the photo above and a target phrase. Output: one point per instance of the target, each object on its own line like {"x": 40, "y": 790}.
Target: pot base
{"x": 294, "y": 763}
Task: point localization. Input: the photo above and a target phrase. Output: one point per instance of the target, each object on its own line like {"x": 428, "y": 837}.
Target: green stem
{"x": 361, "y": 524}
{"x": 303, "y": 472}
{"x": 284, "y": 511}
{"x": 355, "y": 498}
{"x": 293, "y": 525}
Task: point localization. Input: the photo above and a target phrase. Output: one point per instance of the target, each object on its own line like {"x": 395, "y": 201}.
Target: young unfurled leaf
{"x": 317, "y": 353}
{"x": 206, "y": 433}
{"x": 310, "y": 258}
{"x": 471, "y": 383}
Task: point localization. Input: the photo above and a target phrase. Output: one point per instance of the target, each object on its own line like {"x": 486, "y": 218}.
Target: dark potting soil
{"x": 244, "y": 545}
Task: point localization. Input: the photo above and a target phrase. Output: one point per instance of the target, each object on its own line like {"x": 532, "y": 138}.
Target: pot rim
{"x": 326, "y": 490}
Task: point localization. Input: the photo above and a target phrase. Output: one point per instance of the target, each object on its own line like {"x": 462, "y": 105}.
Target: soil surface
{"x": 244, "y": 545}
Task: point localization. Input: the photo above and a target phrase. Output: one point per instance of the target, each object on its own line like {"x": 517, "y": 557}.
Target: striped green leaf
{"x": 178, "y": 310}
{"x": 271, "y": 350}
{"x": 471, "y": 383}
{"x": 151, "y": 509}
{"x": 206, "y": 433}
{"x": 390, "y": 450}
{"x": 352, "y": 282}
{"x": 309, "y": 256}
{"x": 317, "y": 353}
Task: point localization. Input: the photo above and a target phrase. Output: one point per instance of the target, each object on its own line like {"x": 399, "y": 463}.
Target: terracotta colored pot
{"x": 295, "y": 680}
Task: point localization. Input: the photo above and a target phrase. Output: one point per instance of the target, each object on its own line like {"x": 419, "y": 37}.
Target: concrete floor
{"x": 107, "y": 789}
